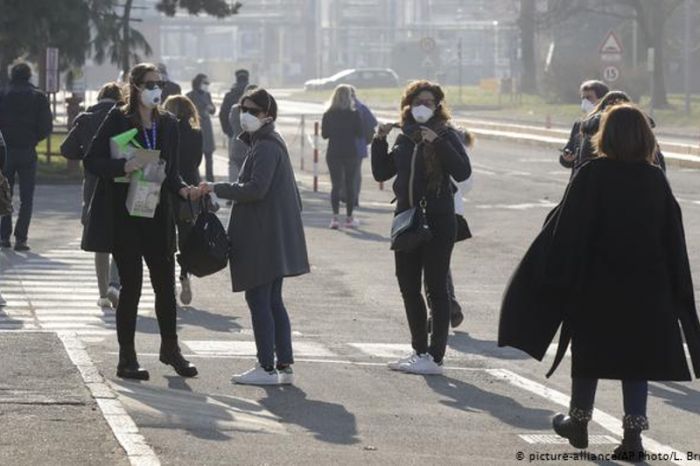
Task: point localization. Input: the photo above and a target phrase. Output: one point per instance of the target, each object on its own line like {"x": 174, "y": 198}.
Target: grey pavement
{"x": 347, "y": 315}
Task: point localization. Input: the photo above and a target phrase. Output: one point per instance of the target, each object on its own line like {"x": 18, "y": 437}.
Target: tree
{"x": 117, "y": 40}
{"x": 528, "y": 26}
{"x": 27, "y": 27}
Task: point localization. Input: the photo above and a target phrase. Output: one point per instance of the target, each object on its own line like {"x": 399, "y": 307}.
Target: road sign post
{"x": 610, "y": 57}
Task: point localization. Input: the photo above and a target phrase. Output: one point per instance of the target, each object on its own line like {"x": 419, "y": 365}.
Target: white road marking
{"x": 247, "y": 348}
{"x": 553, "y": 439}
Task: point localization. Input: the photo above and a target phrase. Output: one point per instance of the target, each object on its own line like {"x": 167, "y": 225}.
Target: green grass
{"x": 527, "y": 108}
{"x": 55, "y": 170}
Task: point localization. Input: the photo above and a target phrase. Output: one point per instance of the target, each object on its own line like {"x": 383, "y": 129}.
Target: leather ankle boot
{"x": 128, "y": 367}
{"x": 631, "y": 448}
{"x": 573, "y": 428}
{"x": 171, "y": 355}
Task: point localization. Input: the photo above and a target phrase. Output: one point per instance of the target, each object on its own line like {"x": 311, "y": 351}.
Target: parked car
{"x": 358, "y": 77}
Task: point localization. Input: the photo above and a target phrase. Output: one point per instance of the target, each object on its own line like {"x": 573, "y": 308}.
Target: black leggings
{"x": 137, "y": 239}
{"x": 433, "y": 260}
{"x": 343, "y": 171}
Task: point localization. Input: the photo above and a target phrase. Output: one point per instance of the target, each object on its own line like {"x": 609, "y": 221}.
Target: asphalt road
{"x": 491, "y": 406}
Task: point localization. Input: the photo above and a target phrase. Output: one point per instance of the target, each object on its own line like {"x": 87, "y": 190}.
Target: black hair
{"x": 262, "y": 99}
{"x": 599, "y": 88}
{"x": 197, "y": 81}
{"x": 21, "y": 72}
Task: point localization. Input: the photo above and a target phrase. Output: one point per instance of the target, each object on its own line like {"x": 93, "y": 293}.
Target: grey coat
{"x": 237, "y": 148}
{"x": 265, "y": 227}
{"x": 205, "y": 107}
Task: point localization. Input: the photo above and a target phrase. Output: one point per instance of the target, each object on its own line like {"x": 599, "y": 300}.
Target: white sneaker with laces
{"x": 113, "y": 296}
{"x": 257, "y": 376}
{"x": 422, "y": 364}
{"x": 396, "y": 365}
{"x": 351, "y": 222}
{"x": 104, "y": 302}
{"x": 286, "y": 376}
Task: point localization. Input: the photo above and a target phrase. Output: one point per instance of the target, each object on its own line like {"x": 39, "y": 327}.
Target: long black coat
{"x": 265, "y": 227}
{"x": 610, "y": 265}
{"x": 98, "y": 234}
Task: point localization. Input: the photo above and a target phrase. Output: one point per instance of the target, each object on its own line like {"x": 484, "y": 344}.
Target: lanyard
{"x": 151, "y": 141}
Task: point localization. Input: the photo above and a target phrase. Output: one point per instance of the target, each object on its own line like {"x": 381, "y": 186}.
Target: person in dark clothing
{"x": 3, "y": 154}
{"x": 369, "y": 125}
{"x": 75, "y": 147}
{"x": 190, "y": 158}
{"x": 169, "y": 87}
{"x": 611, "y": 267}
{"x": 201, "y": 98}
{"x": 267, "y": 237}
{"x": 591, "y": 93}
{"x": 131, "y": 239}
{"x": 237, "y": 149}
{"x": 25, "y": 119}
{"x": 342, "y": 126}
{"x": 424, "y": 158}
{"x": 231, "y": 98}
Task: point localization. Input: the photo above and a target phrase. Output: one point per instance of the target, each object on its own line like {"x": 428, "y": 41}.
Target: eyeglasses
{"x": 253, "y": 111}
{"x": 150, "y": 85}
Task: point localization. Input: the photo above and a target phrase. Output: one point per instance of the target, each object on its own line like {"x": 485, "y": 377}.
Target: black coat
{"x": 572, "y": 145}
{"x": 80, "y": 136}
{"x": 190, "y": 153}
{"x": 230, "y": 99}
{"x": 265, "y": 227}
{"x": 3, "y": 152}
{"x": 397, "y": 162}
{"x": 25, "y": 115}
{"x": 342, "y": 128}
{"x": 610, "y": 265}
{"x": 98, "y": 234}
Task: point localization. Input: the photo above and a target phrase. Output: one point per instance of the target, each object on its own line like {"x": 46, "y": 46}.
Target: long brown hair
{"x": 183, "y": 109}
{"x": 416, "y": 87}
{"x": 136, "y": 76}
{"x": 625, "y": 134}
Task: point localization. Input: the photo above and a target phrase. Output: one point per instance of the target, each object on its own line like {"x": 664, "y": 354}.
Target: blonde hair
{"x": 183, "y": 109}
{"x": 342, "y": 98}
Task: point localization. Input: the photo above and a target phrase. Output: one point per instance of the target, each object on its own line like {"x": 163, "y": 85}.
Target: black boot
{"x": 573, "y": 427}
{"x": 128, "y": 367}
{"x": 171, "y": 355}
{"x": 631, "y": 448}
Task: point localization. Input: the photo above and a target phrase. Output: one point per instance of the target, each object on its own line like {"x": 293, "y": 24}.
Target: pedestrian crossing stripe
{"x": 552, "y": 439}
{"x": 247, "y": 348}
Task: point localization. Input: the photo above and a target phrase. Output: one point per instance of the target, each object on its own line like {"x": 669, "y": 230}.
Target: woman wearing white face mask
{"x": 424, "y": 157}
{"x": 130, "y": 239}
{"x": 201, "y": 98}
{"x": 267, "y": 237}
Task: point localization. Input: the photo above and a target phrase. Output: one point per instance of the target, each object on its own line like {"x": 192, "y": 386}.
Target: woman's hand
{"x": 131, "y": 165}
{"x": 190, "y": 192}
{"x": 384, "y": 129}
{"x": 428, "y": 134}
{"x": 206, "y": 188}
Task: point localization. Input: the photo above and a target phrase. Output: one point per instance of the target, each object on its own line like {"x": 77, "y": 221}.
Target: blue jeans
{"x": 271, "y": 327}
{"x": 634, "y": 395}
{"x": 22, "y": 163}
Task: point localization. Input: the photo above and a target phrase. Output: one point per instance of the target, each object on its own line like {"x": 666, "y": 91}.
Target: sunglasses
{"x": 150, "y": 85}
{"x": 253, "y": 111}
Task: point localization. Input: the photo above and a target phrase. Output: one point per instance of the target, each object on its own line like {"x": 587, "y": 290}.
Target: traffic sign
{"x": 611, "y": 73}
{"x": 611, "y": 45}
{"x": 428, "y": 44}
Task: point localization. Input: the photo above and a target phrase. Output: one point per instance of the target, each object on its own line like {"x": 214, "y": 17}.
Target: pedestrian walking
{"x": 231, "y": 98}
{"x": 25, "y": 120}
{"x": 201, "y": 98}
{"x": 427, "y": 155}
{"x": 131, "y": 239}
{"x": 169, "y": 87}
{"x": 190, "y": 150}
{"x": 6, "y": 201}
{"x": 237, "y": 148}
{"x": 342, "y": 126}
{"x": 611, "y": 267}
{"x": 75, "y": 147}
{"x": 369, "y": 125}
{"x": 591, "y": 92}
{"x": 267, "y": 237}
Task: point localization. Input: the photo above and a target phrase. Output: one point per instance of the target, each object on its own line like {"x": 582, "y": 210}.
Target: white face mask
{"x": 151, "y": 98}
{"x": 205, "y": 87}
{"x": 587, "y": 106}
{"x": 250, "y": 123}
{"x": 421, "y": 113}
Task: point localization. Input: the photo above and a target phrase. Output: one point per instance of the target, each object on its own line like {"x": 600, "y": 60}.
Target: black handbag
{"x": 409, "y": 229}
{"x": 206, "y": 250}
{"x": 463, "y": 231}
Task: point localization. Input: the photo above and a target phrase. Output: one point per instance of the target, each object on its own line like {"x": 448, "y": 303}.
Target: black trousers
{"x": 433, "y": 260}
{"x": 136, "y": 240}
{"x": 343, "y": 170}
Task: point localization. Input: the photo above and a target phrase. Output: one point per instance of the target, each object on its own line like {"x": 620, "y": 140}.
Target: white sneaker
{"x": 286, "y": 376}
{"x": 422, "y": 364}
{"x": 396, "y": 365}
{"x": 3, "y": 303}
{"x": 334, "y": 224}
{"x": 104, "y": 303}
{"x": 113, "y": 296}
{"x": 351, "y": 222}
{"x": 185, "y": 291}
{"x": 257, "y": 376}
